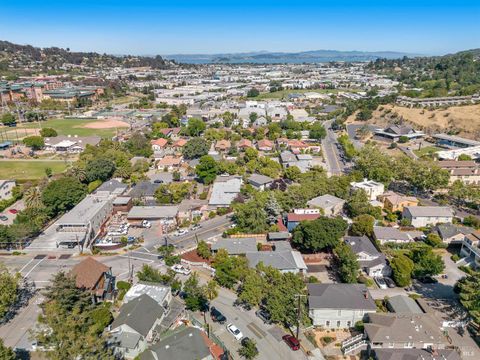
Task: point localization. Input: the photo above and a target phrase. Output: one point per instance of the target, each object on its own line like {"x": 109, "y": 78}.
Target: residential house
{"x": 402, "y": 304}
{"x": 467, "y": 172}
{"x": 421, "y": 216}
{"x": 373, "y": 189}
{"x": 265, "y": 145}
{"x": 6, "y": 187}
{"x": 294, "y": 219}
{"x": 394, "y": 202}
{"x": 134, "y": 327}
{"x": 224, "y": 190}
{"x": 453, "y": 234}
{"x": 96, "y": 278}
{"x": 395, "y": 132}
{"x": 179, "y": 144}
{"x": 297, "y": 146}
{"x": 415, "y": 354}
{"x": 339, "y": 305}
{"x": 190, "y": 209}
{"x": 144, "y": 190}
{"x": 404, "y": 331}
{"x": 172, "y": 133}
{"x": 244, "y": 144}
{"x": 284, "y": 259}
{"x": 471, "y": 249}
{"x": 260, "y": 182}
{"x": 329, "y": 204}
{"x": 169, "y": 162}
{"x": 277, "y": 113}
{"x": 223, "y": 145}
{"x": 112, "y": 186}
{"x": 260, "y": 121}
{"x": 159, "y": 144}
{"x": 302, "y": 161}
{"x": 384, "y": 235}
{"x": 185, "y": 344}
{"x": 370, "y": 260}
{"x": 160, "y": 293}
{"x": 235, "y": 246}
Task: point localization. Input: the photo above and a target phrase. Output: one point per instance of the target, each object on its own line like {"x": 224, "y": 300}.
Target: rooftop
{"x": 340, "y": 296}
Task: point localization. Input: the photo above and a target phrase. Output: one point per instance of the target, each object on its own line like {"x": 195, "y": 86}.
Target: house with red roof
{"x": 244, "y": 144}
{"x": 265, "y": 145}
{"x": 159, "y": 144}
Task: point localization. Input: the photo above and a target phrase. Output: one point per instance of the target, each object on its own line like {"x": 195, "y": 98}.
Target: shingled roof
{"x": 88, "y": 273}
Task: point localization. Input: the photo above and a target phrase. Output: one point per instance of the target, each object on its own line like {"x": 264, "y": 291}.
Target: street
{"x": 331, "y": 154}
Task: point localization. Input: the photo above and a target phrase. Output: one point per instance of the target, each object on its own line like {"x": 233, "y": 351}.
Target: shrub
{"x": 455, "y": 257}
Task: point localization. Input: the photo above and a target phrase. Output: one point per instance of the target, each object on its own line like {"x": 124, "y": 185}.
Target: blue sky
{"x": 187, "y": 27}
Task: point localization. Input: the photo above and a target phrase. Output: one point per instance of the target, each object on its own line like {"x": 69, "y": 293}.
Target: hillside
{"x": 21, "y": 57}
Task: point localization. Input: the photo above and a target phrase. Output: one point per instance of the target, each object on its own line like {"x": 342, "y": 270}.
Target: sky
{"x": 148, "y": 27}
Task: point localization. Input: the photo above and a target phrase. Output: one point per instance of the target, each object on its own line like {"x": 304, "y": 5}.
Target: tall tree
{"x": 207, "y": 169}
{"x": 319, "y": 234}
{"x": 347, "y": 263}
{"x": 63, "y": 194}
{"x": 9, "y": 284}
{"x": 469, "y": 289}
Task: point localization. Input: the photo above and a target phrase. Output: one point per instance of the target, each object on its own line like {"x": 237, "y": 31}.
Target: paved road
{"x": 334, "y": 163}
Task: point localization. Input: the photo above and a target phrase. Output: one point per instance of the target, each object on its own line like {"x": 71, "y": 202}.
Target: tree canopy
{"x": 319, "y": 234}
{"x": 63, "y": 194}
{"x": 195, "y": 148}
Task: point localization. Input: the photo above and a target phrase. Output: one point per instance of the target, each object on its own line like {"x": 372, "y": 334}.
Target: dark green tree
{"x": 319, "y": 234}
{"x": 207, "y": 169}
{"x": 195, "y": 148}
{"x": 63, "y": 194}
{"x": 99, "y": 169}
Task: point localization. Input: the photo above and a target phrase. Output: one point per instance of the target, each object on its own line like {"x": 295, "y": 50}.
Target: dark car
{"x": 217, "y": 316}
{"x": 292, "y": 342}
{"x": 264, "y": 315}
{"x": 427, "y": 280}
{"x": 390, "y": 283}
{"x": 3, "y": 218}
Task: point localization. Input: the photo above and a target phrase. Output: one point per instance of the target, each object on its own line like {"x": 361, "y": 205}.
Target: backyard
{"x": 29, "y": 169}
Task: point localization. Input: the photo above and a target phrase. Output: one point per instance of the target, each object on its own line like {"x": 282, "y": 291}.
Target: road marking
{"x": 33, "y": 268}
{"x": 136, "y": 258}
{"x": 146, "y": 249}
{"x": 23, "y": 268}
{"x": 256, "y": 330}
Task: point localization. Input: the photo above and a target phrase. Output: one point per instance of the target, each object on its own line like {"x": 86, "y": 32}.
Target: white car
{"x": 146, "y": 224}
{"x": 235, "y": 332}
{"x": 381, "y": 283}
{"x": 180, "y": 269}
{"x": 180, "y": 232}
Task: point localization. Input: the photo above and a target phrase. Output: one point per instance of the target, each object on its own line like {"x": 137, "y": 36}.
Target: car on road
{"x": 196, "y": 227}
{"x": 232, "y": 329}
{"x": 180, "y": 232}
{"x": 381, "y": 283}
{"x": 390, "y": 283}
{"x": 3, "y": 218}
{"x": 292, "y": 342}
{"x": 217, "y": 316}
{"x": 264, "y": 316}
{"x": 13, "y": 211}
{"x": 180, "y": 269}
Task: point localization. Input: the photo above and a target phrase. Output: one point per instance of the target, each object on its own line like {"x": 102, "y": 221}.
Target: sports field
{"x": 29, "y": 169}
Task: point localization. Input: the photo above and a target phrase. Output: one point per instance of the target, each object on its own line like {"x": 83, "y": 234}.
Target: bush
{"x": 48, "y": 132}
{"x": 94, "y": 185}
{"x": 327, "y": 340}
{"x": 359, "y": 326}
{"x": 455, "y": 257}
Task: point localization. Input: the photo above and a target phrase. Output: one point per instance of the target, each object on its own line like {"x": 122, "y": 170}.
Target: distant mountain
{"x": 54, "y": 57}
{"x": 264, "y": 57}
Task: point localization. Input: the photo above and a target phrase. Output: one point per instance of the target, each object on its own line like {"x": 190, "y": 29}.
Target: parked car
{"x": 217, "y": 316}
{"x": 3, "y": 218}
{"x": 196, "y": 227}
{"x": 264, "y": 316}
{"x": 158, "y": 181}
{"x": 390, "y": 283}
{"x": 180, "y": 269}
{"x": 232, "y": 329}
{"x": 381, "y": 283}
{"x": 292, "y": 342}
{"x": 146, "y": 224}
{"x": 180, "y": 232}
{"x": 13, "y": 211}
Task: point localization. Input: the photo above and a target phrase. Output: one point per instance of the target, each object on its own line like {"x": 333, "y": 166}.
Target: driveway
{"x": 19, "y": 205}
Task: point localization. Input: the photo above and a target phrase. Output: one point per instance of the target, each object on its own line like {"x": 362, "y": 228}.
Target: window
{"x": 327, "y": 323}
{"x": 338, "y": 323}
{"x": 349, "y": 324}
{"x": 339, "y": 313}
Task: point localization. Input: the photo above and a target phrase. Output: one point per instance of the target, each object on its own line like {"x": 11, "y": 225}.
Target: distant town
{"x": 151, "y": 209}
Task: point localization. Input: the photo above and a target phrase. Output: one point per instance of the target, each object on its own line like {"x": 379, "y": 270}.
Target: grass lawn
{"x": 72, "y": 127}
{"x": 29, "y": 169}
{"x": 427, "y": 151}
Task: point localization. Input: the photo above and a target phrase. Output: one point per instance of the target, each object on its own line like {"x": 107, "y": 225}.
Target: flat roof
{"x": 152, "y": 212}
{"x": 84, "y": 211}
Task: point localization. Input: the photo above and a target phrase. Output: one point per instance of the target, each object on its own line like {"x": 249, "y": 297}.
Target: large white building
{"x": 421, "y": 216}
{"x": 372, "y": 188}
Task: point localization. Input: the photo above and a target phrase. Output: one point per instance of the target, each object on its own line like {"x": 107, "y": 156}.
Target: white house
{"x": 6, "y": 187}
{"x": 372, "y": 188}
{"x": 369, "y": 258}
{"x": 339, "y": 305}
{"x": 421, "y": 216}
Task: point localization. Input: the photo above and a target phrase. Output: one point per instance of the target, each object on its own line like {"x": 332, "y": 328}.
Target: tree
{"x": 99, "y": 169}
{"x": 248, "y": 350}
{"x": 252, "y": 290}
{"x": 426, "y": 262}
{"x": 469, "y": 291}
{"x": 319, "y": 234}
{"x": 434, "y": 240}
{"x": 211, "y": 290}
{"x": 402, "y": 268}
{"x": 203, "y": 250}
{"x": 48, "y": 132}
{"x": 195, "y": 127}
{"x": 33, "y": 197}
{"x": 9, "y": 284}
{"x": 207, "y": 169}
{"x": 8, "y": 119}
{"x": 347, "y": 263}
{"x": 317, "y": 131}
{"x": 195, "y": 148}
{"x": 272, "y": 209}
{"x": 253, "y": 117}
{"x": 358, "y": 204}
{"x": 253, "y": 93}
{"x": 362, "y": 225}
{"x": 194, "y": 294}
{"x": 34, "y": 142}
{"x": 464, "y": 157}
{"x": 229, "y": 269}
{"x": 139, "y": 145}
{"x": 63, "y": 194}
{"x": 6, "y": 353}
{"x": 292, "y": 173}
{"x": 375, "y": 164}
{"x": 364, "y": 115}
{"x": 251, "y": 217}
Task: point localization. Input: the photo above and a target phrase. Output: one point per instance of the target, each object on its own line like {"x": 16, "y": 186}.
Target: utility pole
{"x": 299, "y": 311}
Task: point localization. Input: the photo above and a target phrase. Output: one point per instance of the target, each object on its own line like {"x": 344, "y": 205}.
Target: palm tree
{"x": 33, "y": 198}
{"x": 211, "y": 290}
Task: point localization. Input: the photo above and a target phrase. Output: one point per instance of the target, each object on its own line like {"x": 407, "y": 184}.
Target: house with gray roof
{"x": 235, "y": 246}
{"x": 402, "y": 304}
{"x": 415, "y": 354}
{"x": 369, "y": 258}
{"x": 384, "y": 234}
{"x": 112, "y": 187}
{"x": 421, "y": 216}
{"x": 144, "y": 190}
{"x": 134, "y": 326}
{"x": 331, "y": 205}
{"x": 339, "y": 305}
{"x": 166, "y": 213}
{"x": 187, "y": 344}
{"x": 260, "y": 182}
{"x": 453, "y": 234}
{"x": 283, "y": 260}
